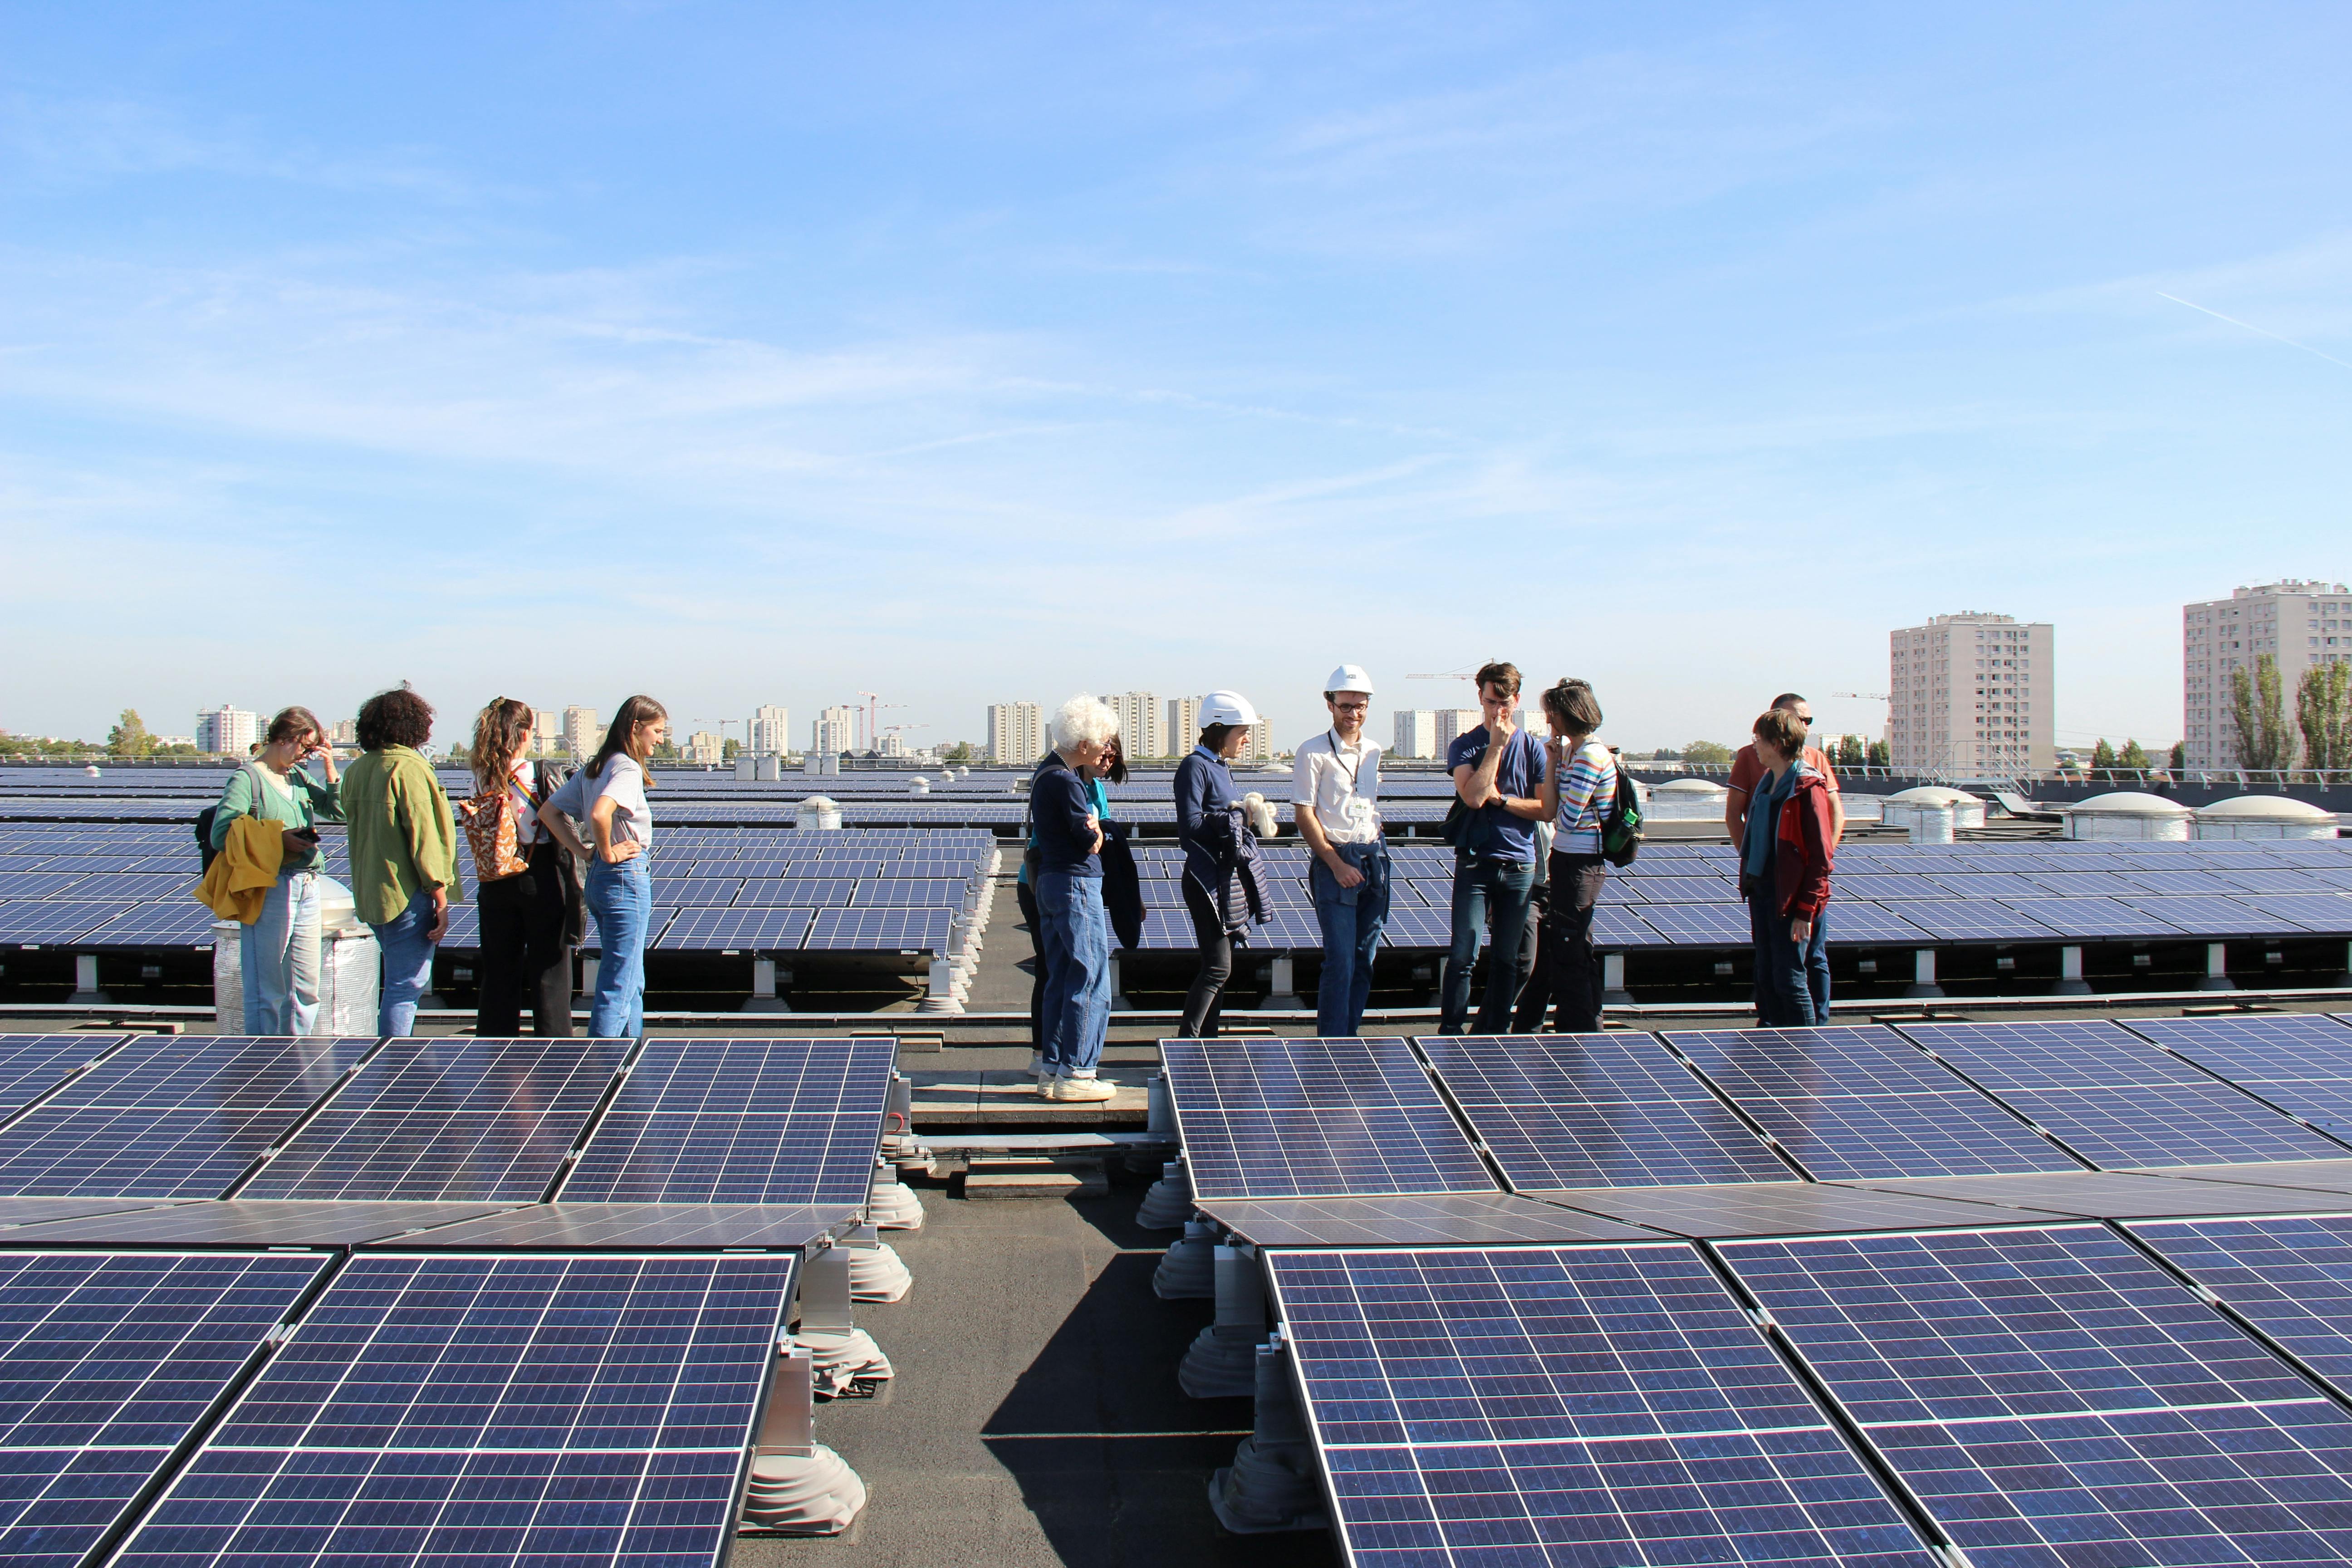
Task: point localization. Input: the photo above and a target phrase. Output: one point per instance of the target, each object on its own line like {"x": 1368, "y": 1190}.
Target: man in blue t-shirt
{"x": 1498, "y": 771}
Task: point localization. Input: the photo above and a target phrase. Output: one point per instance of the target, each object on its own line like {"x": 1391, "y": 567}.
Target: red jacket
{"x": 1801, "y": 861}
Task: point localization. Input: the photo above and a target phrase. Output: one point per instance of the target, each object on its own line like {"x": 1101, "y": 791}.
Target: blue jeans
{"x": 1797, "y": 978}
{"x": 1352, "y": 919}
{"x": 622, "y": 898}
{"x": 1078, "y": 973}
{"x": 1478, "y": 881}
{"x": 279, "y": 955}
{"x": 405, "y": 945}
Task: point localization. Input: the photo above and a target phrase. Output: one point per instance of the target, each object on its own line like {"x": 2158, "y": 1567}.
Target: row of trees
{"x": 1851, "y": 754}
{"x": 2323, "y": 713}
{"x": 130, "y": 740}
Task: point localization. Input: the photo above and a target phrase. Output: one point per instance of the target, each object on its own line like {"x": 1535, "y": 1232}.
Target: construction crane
{"x": 1453, "y": 674}
{"x": 873, "y": 704}
{"x": 1865, "y": 696}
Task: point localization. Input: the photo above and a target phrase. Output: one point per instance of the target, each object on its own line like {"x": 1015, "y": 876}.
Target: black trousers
{"x": 1027, "y": 898}
{"x": 1205, "y": 1003}
{"x": 1535, "y": 959}
{"x": 523, "y": 952}
{"x": 1575, "y": 884}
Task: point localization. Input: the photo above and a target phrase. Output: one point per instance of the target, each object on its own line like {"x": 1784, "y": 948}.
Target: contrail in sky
{"x": 2266, "y": 331}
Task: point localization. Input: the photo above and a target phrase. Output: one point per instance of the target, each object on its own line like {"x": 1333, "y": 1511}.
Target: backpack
{"x": 494, "y": 831}
{"x": 1621, "y": 829}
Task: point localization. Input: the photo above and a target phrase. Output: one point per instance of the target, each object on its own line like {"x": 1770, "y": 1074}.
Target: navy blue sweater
{"x": 1059, "y": 805}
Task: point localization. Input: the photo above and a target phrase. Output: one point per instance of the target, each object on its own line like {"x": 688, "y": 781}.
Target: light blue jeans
{"x": 622, "y": 898}
{"x": 1078, "y": 973}
{"x": 406, "y": 943}
{"x": 279, "y": 955}
{"x": 1352, "y": 919}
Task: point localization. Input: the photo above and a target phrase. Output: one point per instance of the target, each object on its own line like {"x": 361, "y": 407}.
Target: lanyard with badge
{"x": 1355, "y": 812}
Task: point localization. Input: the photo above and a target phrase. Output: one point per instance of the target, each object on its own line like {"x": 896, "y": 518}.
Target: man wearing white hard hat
{"x": 1335, "y": 788}
{"x": 1215, "y": 842}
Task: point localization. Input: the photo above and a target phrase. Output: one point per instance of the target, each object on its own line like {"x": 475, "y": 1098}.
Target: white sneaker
{"x": 1039, "y": 1069}
{"x": 1087, "y": 1088}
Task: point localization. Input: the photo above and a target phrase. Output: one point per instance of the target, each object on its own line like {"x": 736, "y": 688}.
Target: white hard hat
{"x": 1226, "y": 707}
{"x": 1349, "y": 677}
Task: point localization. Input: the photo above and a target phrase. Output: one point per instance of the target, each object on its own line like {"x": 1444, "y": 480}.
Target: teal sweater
{"x": 312, "y": 802}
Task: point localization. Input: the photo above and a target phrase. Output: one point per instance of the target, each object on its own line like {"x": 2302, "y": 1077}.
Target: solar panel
{"x": 637, "y": 1227}
{"x": 1577, "y": 1110}
{"x": 1614, "y": 926}
{"x": 513, "y": 1408}
{"x": 806, "y": 891}
{"x": 175, "y": 922}
{"x": 1776, "y": 1208}
{"x": 1851, "y": 1101}
{"x": 1687, "y": 891}
{"x": 2289, "y": 1276}
{"x": 2078, "y": 1054}
{"x": 1611, "y": 1402}
{"x": 170, "y": 1116}
{"x": 2091, "y": 917}
{"x": 2301, "y": 1062}
{"x": 1699, "y": 925}
{"x": 1980, "y": 887}
{"x": 692, "y": 890}
{"x": 1857, "y": 924}
{"x": 2054, "y": 1396}
{"x": 2214, "y": 916}
{"x": 2129, "y": 1194}
{"x": 1314, "y": 1119}
{"x": 2328, "y": 913}
{"x": 56, "y": 923}
{"x": 39, "y": 884}
{"x": 1438, "y": 1219}
{"x": 240, "y": 1222}
{"x": 880, "y": 930}
{"x": 2086, "y": 884}
{"x": 177, "y": 885}
{"x": 447, "y": 1120}
{"x": 1973, "y": 919}
{"x": 752, "y": 1121}
{"x": 1894, "y": 885}
{"x": 107, "y": 1362}
{"x": 33, "y": 1065}
{"x": 764, "y": 928}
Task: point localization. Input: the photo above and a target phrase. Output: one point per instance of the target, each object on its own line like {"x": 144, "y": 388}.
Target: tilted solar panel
{"x": 170, "y": 1116}
{"x": 447, "y": 1120}
{"x": 2213, "y": 916}
{"x": 2289, "y": 1276}
{"x": 809, "y": 892}
{"x": 1612, "y": 1402}
{"x": 514, "y": 1409}
{"x": 2091, "y": 917}
{"x": 2301, "y": 1062}
{"x": 1579, "y": 1111}
{"x": 33, "y": 1065}
{"x": 56, "y": 923}
{"x": 758, "y": 927}
{"x": 1851, "y": 924}
{"x": 880, "y": 930}
{"x": 2054, "y": 1396}
{"x": 1314, "y": 1119}
{"x": 107, "y": 1360}
{"x": 752, "y": 1121}
{"x": 1856, "y": 1102}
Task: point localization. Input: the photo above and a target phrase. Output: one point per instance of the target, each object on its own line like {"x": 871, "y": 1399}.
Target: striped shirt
{"x": 1582, "y": 800}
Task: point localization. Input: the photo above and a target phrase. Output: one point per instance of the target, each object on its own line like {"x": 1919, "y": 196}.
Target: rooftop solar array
{"x": 1285, "y": 1119}
{"x": 33, "y": 1065}
{"x": 108, "y": 1363}
{"x": 748, "y": 1122}
{"x": 517, "y": 1409}
{"x": 1614, "y": 1109}
{"x": 2301, "y": 1062}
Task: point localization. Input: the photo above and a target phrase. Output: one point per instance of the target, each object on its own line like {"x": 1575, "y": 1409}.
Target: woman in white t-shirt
{"x": 1581, "y": 784}
{"x": 609, "y": 795}
{"x": 530, "y": 917}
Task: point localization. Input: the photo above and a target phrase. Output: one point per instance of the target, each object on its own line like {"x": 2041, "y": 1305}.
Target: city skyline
{"x": 1156, "y": 350}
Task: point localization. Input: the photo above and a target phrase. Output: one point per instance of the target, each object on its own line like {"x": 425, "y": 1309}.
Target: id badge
{"x": 1357, "y": 814}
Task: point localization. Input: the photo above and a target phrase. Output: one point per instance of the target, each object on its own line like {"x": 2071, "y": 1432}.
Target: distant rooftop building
{"x": 770, "y": 732}
{"x": 581, "y": 734}
{"x": 2300, "y": 623}
{"x": 1017, "y": 734}
{"x": 546, "y": 732}
{"x": 227, "y": 731}
{"x": 835, "y": 732}
{"x": 346, "y": 733}
{"x": 1970, "y": 695}
{"x": 1416, "y": 733}
{"x": 1453, "y": 723}
{"x": 705, "y": 750}
{"x": 1139, "y": 733}
{"x": 1184, "y": 725}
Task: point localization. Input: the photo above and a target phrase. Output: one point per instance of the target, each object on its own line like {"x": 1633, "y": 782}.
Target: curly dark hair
{"x": 394, "y": 718}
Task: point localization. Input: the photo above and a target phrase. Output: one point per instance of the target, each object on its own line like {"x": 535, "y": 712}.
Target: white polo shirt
{"x": 1342, "y": 783}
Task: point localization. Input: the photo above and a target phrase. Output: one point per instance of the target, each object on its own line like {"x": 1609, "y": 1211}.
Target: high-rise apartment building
{"x": 1017, "y": 734}
{"x": 1416, "y": 733}
{"x": 1259, "y": 746}
{"x": 835, "y": 732}
{"x": 581, "y": 734}
{"x": 1453, "y": 723}
{"x": 546, "y": 732}
{"x": 1184, "y": 725}
{"x": 770, "y": 732}
{"x": 227, "y": 731}
{"x": 2300, "y": 624}
{"x": 346, "y": 733}
{"x": 705, "y": 750}
{"x": 1969, "y": 696}
{"x": 1139, "y": 723}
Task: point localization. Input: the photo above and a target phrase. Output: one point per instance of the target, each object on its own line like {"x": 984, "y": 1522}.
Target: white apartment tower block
{"x": 1416, "y": 732}
{"x": 1139, "y": 723}
{"x": 835, "y": 732}
{"x": 1184, "y": 725}
{"x": 1017, "y": 734}
{"x": 705, "y": 750}
{"x": 2300, "y": 624}
{"x": 227, "y": 731}
{"x": 546, "y": 732}
{"x": 1969, "y": 696}
{"x": 770, "y": 732}
{"x": 1453, "y": 723}
{"x": 581, "y": 734}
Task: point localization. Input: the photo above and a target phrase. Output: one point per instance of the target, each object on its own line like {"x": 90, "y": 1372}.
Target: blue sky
{"x": 747, "y": 354}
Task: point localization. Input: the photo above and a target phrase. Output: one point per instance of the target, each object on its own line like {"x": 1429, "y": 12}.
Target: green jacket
{"x": 313, "y": 802}
{"x": 404, "y": 838}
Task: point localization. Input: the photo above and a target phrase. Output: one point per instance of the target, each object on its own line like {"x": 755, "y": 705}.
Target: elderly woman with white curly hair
{"x": 1073, "y": 943}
